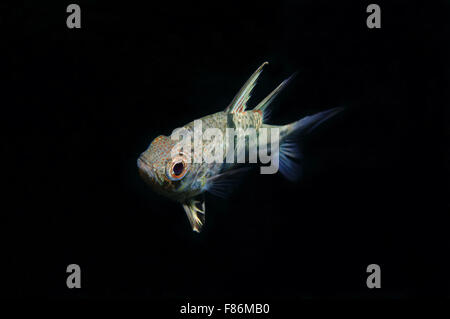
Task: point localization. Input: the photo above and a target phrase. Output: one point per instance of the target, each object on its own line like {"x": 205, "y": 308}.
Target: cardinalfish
{"x": 172, "y": 171}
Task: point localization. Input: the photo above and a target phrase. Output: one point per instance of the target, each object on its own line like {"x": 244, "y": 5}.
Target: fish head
{"x": 169, "y": 173}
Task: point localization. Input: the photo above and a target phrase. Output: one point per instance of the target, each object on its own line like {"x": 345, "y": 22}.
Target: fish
{"x": 176, "y": 175}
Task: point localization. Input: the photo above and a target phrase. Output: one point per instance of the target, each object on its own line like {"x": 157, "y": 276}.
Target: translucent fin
{"x": 262, "y": 106}
{"x": 289, "y": 153}
{"x": 307, "y": 124}
{"x": 288, "y": 156}
{"x": 238, "y": 104}
{"x": 222, "y": 185}
{"x": 195, "y": 211}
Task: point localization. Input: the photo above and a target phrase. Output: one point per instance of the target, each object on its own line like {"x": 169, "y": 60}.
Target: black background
{"x": 79, "y": 106}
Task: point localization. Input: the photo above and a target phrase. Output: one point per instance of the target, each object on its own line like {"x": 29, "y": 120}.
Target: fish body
{"x": 177, "y": 174}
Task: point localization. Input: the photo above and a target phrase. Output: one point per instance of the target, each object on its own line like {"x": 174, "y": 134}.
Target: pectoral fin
{"x": 223, "y": 184}
{"x": 195, "y": 211}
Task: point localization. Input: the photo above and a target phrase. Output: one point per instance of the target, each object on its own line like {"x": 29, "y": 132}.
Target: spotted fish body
{"x": 185, "y": 181}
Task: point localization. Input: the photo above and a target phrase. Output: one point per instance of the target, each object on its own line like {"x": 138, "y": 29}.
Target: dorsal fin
{"x": 269, "y": 98}
{"x": 238, "y": 104}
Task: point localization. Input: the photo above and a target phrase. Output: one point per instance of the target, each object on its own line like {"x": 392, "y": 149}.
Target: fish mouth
{"x": 144, "y": 168}
{"x": 141, "y": 161}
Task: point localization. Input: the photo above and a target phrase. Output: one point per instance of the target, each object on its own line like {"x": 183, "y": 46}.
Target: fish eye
{"x": 176, "y": 170}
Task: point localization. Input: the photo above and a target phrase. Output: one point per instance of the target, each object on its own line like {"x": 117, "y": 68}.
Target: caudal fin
{"x": 307, "y": 124}
{"x": 289, "y": 152}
